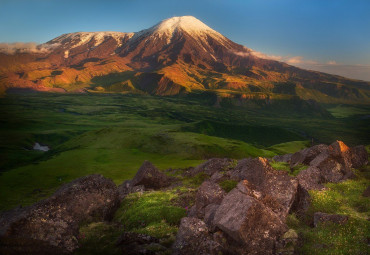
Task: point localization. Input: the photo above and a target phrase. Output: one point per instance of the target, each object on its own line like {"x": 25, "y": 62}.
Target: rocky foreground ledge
{"x": 249, "y": 219}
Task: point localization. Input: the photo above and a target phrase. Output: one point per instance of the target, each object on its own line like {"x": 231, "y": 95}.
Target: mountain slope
{"x": 178, "y": 55}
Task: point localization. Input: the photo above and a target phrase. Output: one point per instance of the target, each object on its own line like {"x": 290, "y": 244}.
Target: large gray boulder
{"x": 277, "y": 188}
{"x": 251, "y": 169}
{"x": 249, "y": 222}
{"x": 214, "y": 165}
{"x": 208, "y": 193}
{"x": 311, "y": 179}
{"x": 305, "y": 156}
{"x": 332, "y": 168}
{"x": 193, "y": 237}
{"x": 51, "y": 226}
{"x": 149, "y": 176}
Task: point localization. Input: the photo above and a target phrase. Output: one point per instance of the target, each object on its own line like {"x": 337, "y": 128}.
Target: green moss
{"x": 151, "y": 213}
{"x": 329, "y": 238}
{"x": 284, "y": 166}
{"x": 228, "y": 185}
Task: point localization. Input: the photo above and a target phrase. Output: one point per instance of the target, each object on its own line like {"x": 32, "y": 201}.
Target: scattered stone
{"x": 311, "y": 179}
{"x": 149, "y": 176}
{"x": 249, "y": 222}
{"x": 214, "y": 165}
{"x": 287, "y": 243}
{"x": 52, "y": 225}
{"x": 133, "y": 243}
{"x": 320, "y": 217}
{"x": 193, "y": 237}
{"x": 305, "y": 156}
{"x": 359, "y": 156}
{"x": 208, "y": 193}
{"x": 282, "y": 158}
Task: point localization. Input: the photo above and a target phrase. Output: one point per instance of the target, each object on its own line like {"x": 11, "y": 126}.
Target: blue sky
{"x": 327, "y": 35}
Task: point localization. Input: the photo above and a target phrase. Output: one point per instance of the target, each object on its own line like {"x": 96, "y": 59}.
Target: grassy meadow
{"x": 112, "y": 134}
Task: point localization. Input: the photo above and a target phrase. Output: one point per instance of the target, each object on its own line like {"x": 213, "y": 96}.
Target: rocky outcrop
{"x": 311, "y": 179}
{"x": 213, "y": 166}
{"x": 320, "y": 218}
{"x": 251, "y": 169}
{"x": 149, "y": 176}
{"x": 249, "y": 222}
{"x": 208, "y": 193}
{"x": 52, "y": 225}
{"x": 277, "y": 188}
{"x": 305, "y": 156}
{"x": 193, "y": 237}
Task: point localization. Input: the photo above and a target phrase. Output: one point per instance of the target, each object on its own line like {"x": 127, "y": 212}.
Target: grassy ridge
{"x": 113, "y": 134}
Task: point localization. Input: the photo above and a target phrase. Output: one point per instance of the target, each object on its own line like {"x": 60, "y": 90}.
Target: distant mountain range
{"x": 178, "y": 55}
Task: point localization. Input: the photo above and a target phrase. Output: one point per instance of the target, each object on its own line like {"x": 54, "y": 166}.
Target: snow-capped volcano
{"x": 177, "y": 55}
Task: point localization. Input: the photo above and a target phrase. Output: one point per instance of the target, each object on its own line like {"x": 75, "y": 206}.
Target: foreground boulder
{"x": 311, "y": 179}
{"x": 51, "y": 226}
{"x": 277, "y": 188}
{"x": 305, "y": 156}
{"x": 149, "y": 176}
{"x": 208, "y": 193}
{"x": 332, "y": 168}
{"x": 193, "y": 237}
{"x": 213, "y": 166}
{"x": 249, "y": 222}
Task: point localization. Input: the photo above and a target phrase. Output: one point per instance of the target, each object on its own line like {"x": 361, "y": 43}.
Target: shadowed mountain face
{"x": 178, "y": 55}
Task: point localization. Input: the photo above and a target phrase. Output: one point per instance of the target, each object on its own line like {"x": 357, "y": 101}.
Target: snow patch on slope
{"x": 74, "y": 40}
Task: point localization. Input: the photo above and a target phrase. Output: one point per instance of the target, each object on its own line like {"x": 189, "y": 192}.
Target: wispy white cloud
{"x": 361, "y": 72}
{"x": 29, "y": 47}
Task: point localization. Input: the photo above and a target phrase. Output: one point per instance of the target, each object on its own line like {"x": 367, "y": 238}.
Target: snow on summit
{"x": 189, "y": 24}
